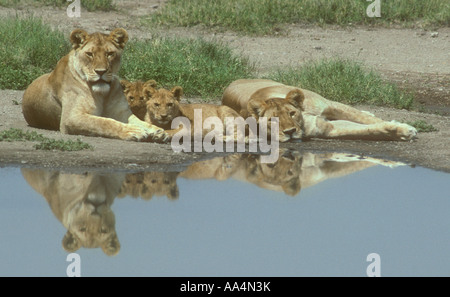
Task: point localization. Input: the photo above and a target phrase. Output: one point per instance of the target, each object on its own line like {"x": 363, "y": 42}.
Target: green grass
{"x": 89, "y": 5}
{"x": 45, "y": 143}
{"x": 28, "y": 49}
{"x": 62, "y": 145}
{"x": 201, "y": 67}
{"x": 260, "y": 17}
{"x": 14, "y": 134}
{"x": 422, "y": 126}
{"x": 345, "y": 81}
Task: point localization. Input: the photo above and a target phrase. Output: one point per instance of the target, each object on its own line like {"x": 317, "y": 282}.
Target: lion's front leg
{"x": 380, "y": 131}
{"x": 91, "y": 125}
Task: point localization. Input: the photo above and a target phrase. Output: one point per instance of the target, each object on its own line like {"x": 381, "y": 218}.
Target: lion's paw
{"x": 404, "y": 131}
{"x": 135, "y": 133}
{"x": 156, "y": 134}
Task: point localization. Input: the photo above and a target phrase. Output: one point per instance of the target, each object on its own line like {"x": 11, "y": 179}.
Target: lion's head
{"x": 288, "y": 111}
{"x": 161, "y": 184}
{"x": 285, "y": 172}
{"x": 91, "y": 224}
{"x": 97, "y": 56}
{"x": 134, "y": 92}
{"x": 163, "y": 105}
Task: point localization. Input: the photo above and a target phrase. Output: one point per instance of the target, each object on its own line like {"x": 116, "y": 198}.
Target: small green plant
{"x": 345, "y": 81}
{"x": 14, "y": 134}
{"x": 422, "y": 126}
{"x": 201, "y": 67}
{"x": 62, "y": 145}
{"x": 45, "y": 143}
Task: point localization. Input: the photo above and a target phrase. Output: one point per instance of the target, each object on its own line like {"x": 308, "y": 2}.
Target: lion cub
{"x": 163, "y": 106}
{"x": 134, "y": 92}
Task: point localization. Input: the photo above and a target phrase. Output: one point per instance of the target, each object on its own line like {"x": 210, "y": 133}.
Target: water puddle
{"x": 305, "y": 215}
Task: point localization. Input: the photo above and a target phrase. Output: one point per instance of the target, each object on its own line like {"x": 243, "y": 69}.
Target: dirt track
{"x": 411, "y": 57}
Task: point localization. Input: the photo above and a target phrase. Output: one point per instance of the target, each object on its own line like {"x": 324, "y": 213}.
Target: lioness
{"x": 320, "y": 118}
{"x": 82, "y": 203}
{"x": 83, "y": 95}
{"x": 164, "y": 105}
{"x": 134, "y": 92}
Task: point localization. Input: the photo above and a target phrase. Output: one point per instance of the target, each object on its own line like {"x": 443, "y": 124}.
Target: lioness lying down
{"x": 163, "y": 106}
{"x": 83, "y": 95}
{"x": 304, "y": 114}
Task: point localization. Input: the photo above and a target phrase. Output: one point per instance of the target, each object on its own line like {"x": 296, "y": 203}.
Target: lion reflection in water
{"x": 289, "y": 174}
{"x": 82, "y": 202}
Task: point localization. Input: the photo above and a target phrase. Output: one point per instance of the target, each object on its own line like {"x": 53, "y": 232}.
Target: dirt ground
{"x": 417, "y": 59}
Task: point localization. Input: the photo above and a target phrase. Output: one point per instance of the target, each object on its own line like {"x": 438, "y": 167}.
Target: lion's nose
{"x": 100, "y": 71}
{"x": 289, "y": 131}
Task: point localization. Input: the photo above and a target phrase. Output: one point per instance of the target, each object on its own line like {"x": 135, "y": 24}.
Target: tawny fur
{"x": 320, "y": 117}
{"x": 83, "y": 95}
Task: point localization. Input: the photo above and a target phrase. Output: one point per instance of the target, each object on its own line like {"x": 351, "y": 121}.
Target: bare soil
{"x": 417, "y": 60}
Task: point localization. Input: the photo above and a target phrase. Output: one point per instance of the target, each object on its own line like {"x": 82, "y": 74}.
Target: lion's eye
{"x": 110, "y": 54}
{"x": 292, "y": 113}
{"x": 141, "y": 98}
{"x": 156, "y": 104}
{"x": 89, "y": 54}
{"x": 131, "y": 98}
{"x": 103, "y": 230}
{"x": 169, "y": 104}
{"x": 82, "y": 229}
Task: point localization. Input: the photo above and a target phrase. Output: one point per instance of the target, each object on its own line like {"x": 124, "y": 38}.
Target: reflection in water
{"x": 82, "y": 202}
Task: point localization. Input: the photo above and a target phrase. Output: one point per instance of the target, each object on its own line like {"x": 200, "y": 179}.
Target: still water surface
{"x": 307, "y": 215}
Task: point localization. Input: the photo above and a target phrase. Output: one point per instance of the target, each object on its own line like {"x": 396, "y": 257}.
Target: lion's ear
{"x": 78, "y": 37}
{"x": 125, "y": 84}
{"x": 112, "y": 246}
{"x": 70, "y": 243}
{"x": 151, "y": 83}
{"x": 292, "y": 187}
{"x": 173, "y": 193}
{"x": 177, "y": 92}
{"x": 255, "y": 108}
{"x": 119, "y": 36}
{"x": 296, "y": 98}
{"x": 149, "y": 91}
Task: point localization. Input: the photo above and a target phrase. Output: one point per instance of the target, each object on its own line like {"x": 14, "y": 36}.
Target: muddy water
{"x": 306, "y": 215}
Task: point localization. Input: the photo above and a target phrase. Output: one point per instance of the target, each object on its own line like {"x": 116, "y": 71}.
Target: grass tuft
{"x": 345, "y": 81}
{"x": 201, "y": 67}
{"x": 45, "y": 143}
{"x": 62, "y": 145}
{"x": 28, "y": 49}
{"x": 422, "y": 126}
{"x": 261, "y": 17}
{"x": 89, "y": 5}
